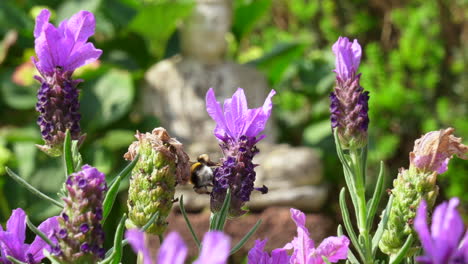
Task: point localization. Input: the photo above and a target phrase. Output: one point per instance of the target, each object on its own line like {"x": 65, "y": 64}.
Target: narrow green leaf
{"x": 77, "y": 160}
{"x": 67, "y": 154}
{"x": 38, "y": 232}
{"x": 376, "y": 197}
{"x": 396, "y": 259}
{"x": 348, "y": 224}
{"x": 223, "y": 213}
{"x": 31, "y": 188}
{"x": 352, "y": 258}
{"x": 117, "y": 254}
{"x": 114, "y": 188}
{"x": 189, "y": 225}
{"x": 382, "y": 225}
{"x": 12, "y": 259}
{"x": 241, "y": 243}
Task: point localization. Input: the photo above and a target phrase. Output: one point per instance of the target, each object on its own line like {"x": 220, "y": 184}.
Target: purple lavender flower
{"x": 60, "y": 51}
{"x": 81, "y": 236}
{"x": 304, "y": 251}
{"x": 446, "y": 244}
{"x": 349, "y": 102}
{"x": 174, "y": 250}
{"x": 12, "y": 240}
{"x": 257, "y": 254}
{"x": 237, "y": 129}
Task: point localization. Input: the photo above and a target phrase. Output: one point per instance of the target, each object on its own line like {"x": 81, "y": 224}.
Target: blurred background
{"x": 415, "y": 65}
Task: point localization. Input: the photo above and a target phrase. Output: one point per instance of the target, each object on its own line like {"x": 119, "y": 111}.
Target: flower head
{"x": 12, "y": 240}
{"x": 66, "y": 47}
{"x": 347, "y": 58}
{"x": 174, "y": 251}
{"x": 349, "y": 102}
{"x": 161, "y": 165}
{"x": 304, "y": 250}
{"x": 446, "y": 243}
{"x": 81, "y": 236}
{"x": 237, "y": 129}
{"x": 59, "y": 52}
{"x": 433, "y": 150}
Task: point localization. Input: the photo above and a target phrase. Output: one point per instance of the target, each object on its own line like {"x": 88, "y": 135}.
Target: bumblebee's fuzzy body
{"x": 201, "y": 175}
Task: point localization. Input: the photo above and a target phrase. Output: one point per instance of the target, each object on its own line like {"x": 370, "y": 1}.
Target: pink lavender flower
{"x": 304, "y": 250}
{"x": 446, "y": 243}
{"x": 215, "y": 248}
{"x": 257, "y": 254}
{"x": 237, "y": 129}
{"x": 349, "y": 102}
{"x": 433, "y": 151}
{"x": 60, "y": 51}
{"x": 12, "y": 240}
{"x": 81, "y": 236}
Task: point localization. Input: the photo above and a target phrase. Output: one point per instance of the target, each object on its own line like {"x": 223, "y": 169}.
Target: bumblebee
{"x": 201, "y": 174}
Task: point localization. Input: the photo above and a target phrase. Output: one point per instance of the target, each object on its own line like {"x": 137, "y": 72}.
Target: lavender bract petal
{"x": 215, "y": 248}
{"x": 173, "y": 250}
{"x": 48, "y": 227}
{"x": 136, "y": 238}
{"x": 17, "y": 224}
{"x": 334, "y": 248}
{"x": 257, "y": 254}
{"x": 41, "y": 20}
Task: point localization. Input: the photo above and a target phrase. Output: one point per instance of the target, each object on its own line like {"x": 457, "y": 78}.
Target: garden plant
{"x": 157, "y": 164}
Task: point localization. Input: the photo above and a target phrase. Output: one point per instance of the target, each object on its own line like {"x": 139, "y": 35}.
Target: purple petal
{"x": 334, "y": 248}
{"x": 257, "y": 118}
{"x": 85, "y": 54}
{"x": 215, "y": 248}
{"x": 235, "y": 112}
{"x": 41, "y": 20}
{"x": 136, "y": 238}
{"x": 279, "y": 256}
{"x": 213, "y": 108}
{"x": 173, "y": 250}
{"x": 52, "y": 49}
{"x": 447, "y": 228}
{"x": 302, "y": 244}
{"x": 347, "y": 57}
{"x": 80, "y": 26}
{"x": 443, "y": 166}
{"x": 48, "y": 227}
{"x": 420, "y": 224}
{"x": 17, "y": 224}
{"x": 257, "y": 255}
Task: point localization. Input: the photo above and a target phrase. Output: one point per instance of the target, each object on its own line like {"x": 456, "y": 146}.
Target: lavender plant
{"x": 159, "y": 163}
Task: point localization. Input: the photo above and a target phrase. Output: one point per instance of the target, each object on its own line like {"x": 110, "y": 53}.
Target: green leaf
{"x": 396, "y": 259}
{"x": 241, "y": 243}
{"x": 109, "y": 99}
{"x": 382, "y": 225}
{"x": 275, "y": 63}
{"x": 12, "y": 259}
{"x": 31, "y": 188}
{"x": 157, "y": 22}
{"x": 246, "y": 14}
{"x": 153, "y": 218}
{"x": 118, "y": 246}
{"x": 67, "y": 154}
{"x": 187, "y": 221}
{"x": 348, "y": 224}
{"x": 218, "y": 219}
{"x": 114, "y": 188}
{"x": 376, "y": 197}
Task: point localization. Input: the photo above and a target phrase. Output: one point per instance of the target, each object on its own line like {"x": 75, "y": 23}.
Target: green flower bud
{"x": 162, "y": 164}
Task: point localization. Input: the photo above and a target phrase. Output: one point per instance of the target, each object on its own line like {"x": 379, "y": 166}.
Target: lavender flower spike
{"x": 12, "y": 240}
{"x": 349, "y": 102}
{"x": 174, "y": 250}
{"x": 446, "y": 244}
{"x": 237, "y": 129}
{"x": 81, "y": 236}
{"x": 59, "y": 52}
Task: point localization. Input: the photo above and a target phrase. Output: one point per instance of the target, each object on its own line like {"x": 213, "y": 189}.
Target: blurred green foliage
{"x": 415, "y": 65}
